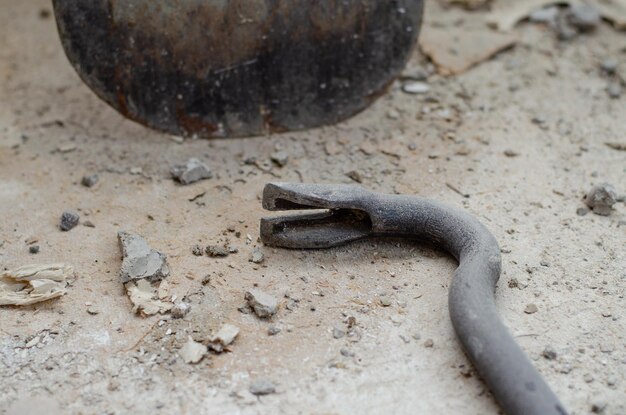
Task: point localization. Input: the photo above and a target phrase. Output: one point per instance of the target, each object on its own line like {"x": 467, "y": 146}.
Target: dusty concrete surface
{"x": 87, "y": 352}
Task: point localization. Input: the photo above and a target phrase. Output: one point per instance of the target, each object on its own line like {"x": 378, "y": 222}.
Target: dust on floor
{"x": 522, "y": 136}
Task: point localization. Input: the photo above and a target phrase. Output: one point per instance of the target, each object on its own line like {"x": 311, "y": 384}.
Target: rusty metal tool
{"x": 224, "y": 68}
{"x": 353, "y": 213}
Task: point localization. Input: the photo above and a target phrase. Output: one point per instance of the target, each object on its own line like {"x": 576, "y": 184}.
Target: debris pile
{"x": 32, "y": 284}
{"x": 142, "y": 268}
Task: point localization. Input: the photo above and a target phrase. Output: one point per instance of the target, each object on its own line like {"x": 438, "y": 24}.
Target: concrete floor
{"x": 53, "y": 131}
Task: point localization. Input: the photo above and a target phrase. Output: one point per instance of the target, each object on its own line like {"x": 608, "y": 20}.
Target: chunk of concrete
{"x": 140, "y": 261}
{"x": 193, "y": 352}
{"x": 190, "y": 172}
{"x": 225, "y": 336}
{"x": 263, "y": 304}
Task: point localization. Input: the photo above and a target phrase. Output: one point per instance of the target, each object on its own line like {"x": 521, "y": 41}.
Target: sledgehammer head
{"x": 227, "y": 68}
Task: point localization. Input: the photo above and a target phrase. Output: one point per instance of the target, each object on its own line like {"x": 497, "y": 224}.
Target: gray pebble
{"x": 584, "y": 17}
{"x": 262, "y": 387}
{"x": 609, "y": 65}
{"x": 69, "y": 220}
{"x": 257, "y": 256}
{"x": 90, "y": 180}
{"x": 281, "y": 158}
{"x": 614, "y": 89}
{"x": 338, "y": 333}
{"x": 216, "y": 251}
{"x": 549, "y": 353}
{"x": 180, "y": 310}
{"x": 33, "y": 249}
{"x": 531, "y": 309}
{"x": 190, "y": 172}
{"x": 273, "y": 330}
{"x": 582, "y": 211}
{"x": 601, "y": 198}
{"x": 346, "y": 353}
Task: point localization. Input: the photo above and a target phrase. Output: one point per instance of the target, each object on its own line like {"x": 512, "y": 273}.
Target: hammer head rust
{"x": 225, "y": 68}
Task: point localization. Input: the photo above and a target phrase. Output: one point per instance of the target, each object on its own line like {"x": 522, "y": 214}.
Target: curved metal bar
{"x": 355, "y": 213}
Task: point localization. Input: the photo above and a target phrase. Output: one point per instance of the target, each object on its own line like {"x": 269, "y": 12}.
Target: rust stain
{"x": 194, "y": 124}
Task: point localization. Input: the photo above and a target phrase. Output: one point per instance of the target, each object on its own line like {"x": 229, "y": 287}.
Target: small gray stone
{"x": 190, "y": 172}
{"x": 90, "y": 180}
{"x": 582, "y": 211}
{"x": 33, "y": 249}
{"x": 531, "y": 309}
{"x": 69, "y": 220}
{"x": 262, "y": 387}
{"x": 355, "y": 175}
{"x": 614, "y": 89}
{"x": 601, "y": 198}
{"x": 584, "y": 17}
{"x": 216, "y": 251}
{"x": 385, "y": 301}
{"x": 263, "y": 304}
{"x": 338, "y": 332}
{"x": 609, "y": 65}
{"x": 180, "y": 310}
{"x": 139, "y": 260}
{"x": 346, "y": 353}
{"x": 281, "y": 158}
{"x": 273, "y": 330}
{"x": 549, "y": 353}
{"x": 257, "y": 256}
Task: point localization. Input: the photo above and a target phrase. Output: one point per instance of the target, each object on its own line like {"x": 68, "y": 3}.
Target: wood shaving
{"x": 32, "y": 284}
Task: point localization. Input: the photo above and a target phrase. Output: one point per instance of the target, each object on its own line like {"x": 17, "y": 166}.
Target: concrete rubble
{"x": 142, "y": 268}
{"x": 193, "y": 352}
{"x": 224, "y": 337}
{"x": 191, "y": 172}
{"x": 263, "y": 304}
{"x": 139, "y": 260}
